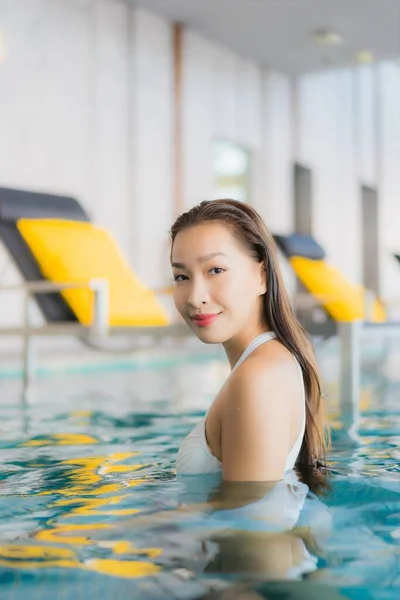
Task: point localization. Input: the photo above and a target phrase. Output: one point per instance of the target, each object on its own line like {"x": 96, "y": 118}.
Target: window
{"x": 231, "y": 169}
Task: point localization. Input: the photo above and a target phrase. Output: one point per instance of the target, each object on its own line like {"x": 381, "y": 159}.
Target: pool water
{"x": 90, "y": 506}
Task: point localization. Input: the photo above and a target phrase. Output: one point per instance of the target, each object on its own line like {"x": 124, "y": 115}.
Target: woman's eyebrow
{"x": 199, "y": 259}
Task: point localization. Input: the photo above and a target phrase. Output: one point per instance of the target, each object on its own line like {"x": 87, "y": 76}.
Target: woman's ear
{"x": 263, "y": 279}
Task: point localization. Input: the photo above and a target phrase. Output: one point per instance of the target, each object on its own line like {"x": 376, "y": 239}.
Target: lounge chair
{"x": 322, "y": 285}
{"x": 78, "y": 276}
{"x": 354, "y": 312}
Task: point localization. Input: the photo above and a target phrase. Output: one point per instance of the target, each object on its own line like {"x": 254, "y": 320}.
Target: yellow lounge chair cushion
{"x": 341, "y": 299}
{"x": 74, "y": 251}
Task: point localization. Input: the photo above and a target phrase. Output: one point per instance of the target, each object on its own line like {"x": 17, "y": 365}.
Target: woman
{"x": 268, "y": 416}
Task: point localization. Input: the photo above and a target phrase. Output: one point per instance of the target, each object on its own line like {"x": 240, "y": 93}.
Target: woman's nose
{"x": 198, "y": 294}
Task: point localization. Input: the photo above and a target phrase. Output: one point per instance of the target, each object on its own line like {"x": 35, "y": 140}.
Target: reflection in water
{"x": 268, "y": 541}
{"x": 81, "y": 491}
{"x": 241, "y": 529}
{"x": 233, "y": 528}
{"x": 276, "y": 591}
{"x": 88, "y": 493}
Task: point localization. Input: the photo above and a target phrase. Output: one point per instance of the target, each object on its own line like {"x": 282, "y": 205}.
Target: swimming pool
{"x": 90, "y": 506}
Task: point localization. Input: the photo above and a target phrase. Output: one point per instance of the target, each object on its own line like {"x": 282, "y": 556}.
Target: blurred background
{"x": 140, "y": 109}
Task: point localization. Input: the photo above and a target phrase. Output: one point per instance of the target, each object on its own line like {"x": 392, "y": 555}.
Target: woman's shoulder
{"x": 264, "y": 376}
{"x": 269, "y": 362}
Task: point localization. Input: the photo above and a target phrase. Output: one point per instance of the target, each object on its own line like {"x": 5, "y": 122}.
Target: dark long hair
{"x": 278, "y": 314}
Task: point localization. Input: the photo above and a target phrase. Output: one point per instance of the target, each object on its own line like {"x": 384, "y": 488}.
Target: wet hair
{"x": 248, "y": 227}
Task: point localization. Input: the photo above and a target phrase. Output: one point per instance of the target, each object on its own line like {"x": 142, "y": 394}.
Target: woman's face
{"x": 218, "y": 285}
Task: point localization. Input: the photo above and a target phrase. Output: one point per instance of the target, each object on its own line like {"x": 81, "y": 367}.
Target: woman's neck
{"x": 235, "y": 347}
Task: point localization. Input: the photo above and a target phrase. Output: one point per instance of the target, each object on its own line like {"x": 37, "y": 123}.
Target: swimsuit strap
{"x": 260, "y": 339}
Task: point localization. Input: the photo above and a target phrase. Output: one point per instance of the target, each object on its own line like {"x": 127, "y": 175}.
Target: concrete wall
{"x": 348, "y": 132}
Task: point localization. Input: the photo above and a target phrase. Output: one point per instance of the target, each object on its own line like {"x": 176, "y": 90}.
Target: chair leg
{"x": 28, "y": 366}
{"x": 350, "y": 362}
{"x": 28, "y": 353}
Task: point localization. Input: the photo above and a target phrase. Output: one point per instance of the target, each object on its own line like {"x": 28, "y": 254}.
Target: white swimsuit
{"x": 195, "y": 457}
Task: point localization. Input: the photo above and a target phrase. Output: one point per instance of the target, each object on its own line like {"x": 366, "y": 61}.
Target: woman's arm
{"x": 256, "y": 421}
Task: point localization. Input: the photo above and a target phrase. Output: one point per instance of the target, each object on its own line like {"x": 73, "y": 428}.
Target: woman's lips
{"x": 204, "y": 320}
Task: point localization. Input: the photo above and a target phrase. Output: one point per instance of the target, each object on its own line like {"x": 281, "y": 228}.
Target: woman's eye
{"x": 179, "y": 278}
{"x": 217, "y": 270}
